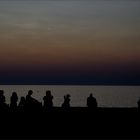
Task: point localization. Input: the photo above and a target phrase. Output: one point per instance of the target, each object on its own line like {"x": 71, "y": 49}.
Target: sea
{"x": 121, "y": 17}
{"x": 107, "y": 96}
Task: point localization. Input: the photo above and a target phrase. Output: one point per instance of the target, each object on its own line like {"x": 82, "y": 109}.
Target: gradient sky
{"x": 69, "y": 42}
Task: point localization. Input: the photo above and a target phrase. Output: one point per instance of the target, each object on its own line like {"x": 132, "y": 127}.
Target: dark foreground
{"x": 78, "y": 123}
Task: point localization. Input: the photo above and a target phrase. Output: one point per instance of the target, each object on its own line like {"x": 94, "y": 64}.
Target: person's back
{"x": 29, "y": 100}
{"x": 48, "y": 103}
{"x": 31, "y": 103}
{"x": 22, "y": 104}
{"x": 91, "y": 102}
{"x": 13, "y": 103}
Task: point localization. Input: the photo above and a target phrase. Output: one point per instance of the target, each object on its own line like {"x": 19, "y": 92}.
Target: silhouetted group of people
{"x": 29, "y": 103}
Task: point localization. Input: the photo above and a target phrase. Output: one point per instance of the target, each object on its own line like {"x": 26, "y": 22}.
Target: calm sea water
{"x": 107, "y": 96}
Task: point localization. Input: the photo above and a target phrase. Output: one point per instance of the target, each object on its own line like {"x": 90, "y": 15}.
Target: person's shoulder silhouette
{"x": 30, "y": 92}
{"x": 29, "y": 98}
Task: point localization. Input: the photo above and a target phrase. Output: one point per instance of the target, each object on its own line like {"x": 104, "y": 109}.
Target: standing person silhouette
{"x": 91, "y": 102}
{"x": 3, "y": 105}
{"x": 2, "y": 97}
{"x": 29, "y": 101}
{"x": 13, "y": 103}
{"x": 48, "y": 103}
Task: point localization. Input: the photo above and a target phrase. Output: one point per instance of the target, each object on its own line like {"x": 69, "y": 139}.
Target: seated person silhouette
{"x": 31, "y": 103}
{"x": 91, "y": 102}
{"x": 66, "y": 103}
{"x": 3, "y": 105}
{"x": 13, "y": 103}
{"x": 48, "y": 103}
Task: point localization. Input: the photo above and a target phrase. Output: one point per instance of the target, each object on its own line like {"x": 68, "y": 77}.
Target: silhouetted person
{"x": 31, "y": 103}
{"x": 22, "y": 104}
{"x": 48, "y": 103}
{"x": 66, "y": 104}
{"x": 2, "y": 97}
{"x": 91, "y": 102}
{"x": 3, "y": 105}
{"x": 29, "y": 100}
{"x": 13, "y": 103}
{"x": 138, "y": 103}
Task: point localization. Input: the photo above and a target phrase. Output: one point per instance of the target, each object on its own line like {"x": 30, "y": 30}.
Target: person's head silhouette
{"x": 68, "y": 96}
{"x": 1, "y": 92}
{"x": 90, "y": 95}
{"x": 48, "y": 93}
{"x": 30, "y": 92}
{"x": 14, "y": 94}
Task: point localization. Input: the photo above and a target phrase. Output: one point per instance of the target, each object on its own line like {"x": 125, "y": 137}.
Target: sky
{"x": 70, "y": 42}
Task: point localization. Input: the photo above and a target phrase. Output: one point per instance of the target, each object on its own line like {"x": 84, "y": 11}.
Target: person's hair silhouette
{"x": 91, "y": 102}
{"x": 48, "y": 103}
